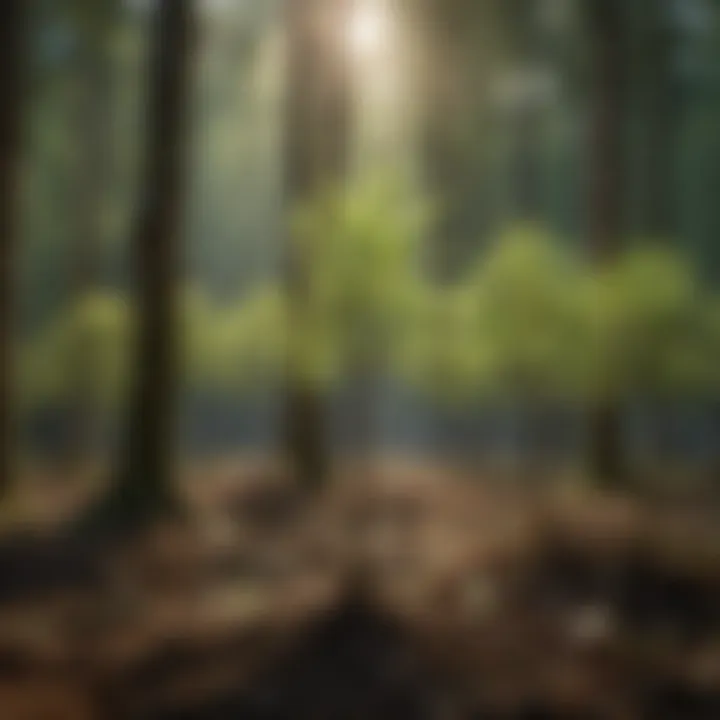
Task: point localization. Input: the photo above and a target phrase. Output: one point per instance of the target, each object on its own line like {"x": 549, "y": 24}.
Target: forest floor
{"x": 408, "y": 592}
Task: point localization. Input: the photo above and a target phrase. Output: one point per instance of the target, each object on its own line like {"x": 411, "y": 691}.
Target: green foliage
{"x": 514, "y": 327}
{"x": 360, "y": 249}
{"x": 654, "y": 339}
{"x": 529, "y": 322}
{"x": 223, "y": 348}
{"x": 529, "y": 316}
{"x": 92, "y": 337}
{"x": 249, "y": 341}
{"x": 442, "y": 352}
{"x": 526, "y": 322}
{"x": 198, "y": 336}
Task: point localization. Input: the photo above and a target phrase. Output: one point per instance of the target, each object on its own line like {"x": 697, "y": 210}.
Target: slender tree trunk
{"x": 91, "y": 110}
{"x": 713, "y": 420}
{"x": 12, "y": 57}
{"x": 528, "y": 181}
{"x": 445, "y": 99}
{"x": 530, "y": 55}
{"x": 365, "y": 379}
{"x": 144, "y": 483}
{"x": 659, "y": 114}
{"x": 608, "y": 112}
{"x": 665, "y": 428}
{"x": 460, "y": 43}
{"x": 528, "y": 176}
{"x": 660, "y": 122}
{"x": 319, "y": 94}
{"x": 539, "y": 441}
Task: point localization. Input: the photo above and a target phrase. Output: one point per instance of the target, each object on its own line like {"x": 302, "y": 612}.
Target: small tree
{"x": 362, "y": 250}
{"x": 102, "y": 322}
{"x": 240, "y": 345}
{"x": 224, "y": 349}
{"x": 531, "y": 319}
{"x": 514, "y": 332}
{"x": 652, "y": 335}
{"x": 318, "y": 131}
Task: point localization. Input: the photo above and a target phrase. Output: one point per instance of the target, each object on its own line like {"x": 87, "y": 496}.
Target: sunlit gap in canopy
{"x": 377, "y": 43}
{"x": 369, "y": 29}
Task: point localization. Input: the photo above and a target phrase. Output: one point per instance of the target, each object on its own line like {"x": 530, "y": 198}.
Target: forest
{"x": 359, "y": 359}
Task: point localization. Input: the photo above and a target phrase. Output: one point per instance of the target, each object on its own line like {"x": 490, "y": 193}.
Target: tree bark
{"x": 453, "y": 67}
{"x": 659, "y": 122}
{"x": 528, "y": 175}
{"x": 92, "y": 119}
{"x": 317, "y": 140}
{"x": 658, "y": 221}
{"x": 460, "y": 42}
{"x": 606, "y": 209}
{"x": 143, "y": 486}
{"x": 12, "y": 60}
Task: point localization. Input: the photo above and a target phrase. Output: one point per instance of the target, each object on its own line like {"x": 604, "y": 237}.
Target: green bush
{"x": 515, "y": 326}
{"x": 653, "y": 336}
{"x": 92, "y": 336}
{"x": 527, "y": 322}
{"x": 362, "y": 253}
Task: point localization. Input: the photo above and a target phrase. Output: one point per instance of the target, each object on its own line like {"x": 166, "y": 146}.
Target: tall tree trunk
{"x": 660, "y": 105}
{"x": 529, "y": 56}
{"x": 534, "y": 415}
{"x": 528, "y": 175}
{"x": 658, "y": 220}
{"x": 143, "y": 486}
{"x": 92, "y": 119}
{"x": 453, "y": 67}
{"x": 12, "y": 58}
{"x": 466, "y": 47}
{"x": 319, "y": 94}
{"x": 607, "y": 457}
{"x": 459, "y": 47}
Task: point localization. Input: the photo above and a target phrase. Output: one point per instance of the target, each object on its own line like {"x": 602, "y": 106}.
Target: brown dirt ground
{"x": 409, "y": 593}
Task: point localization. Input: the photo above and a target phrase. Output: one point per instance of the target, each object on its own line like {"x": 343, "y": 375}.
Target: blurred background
{"x": 521, "y": 119}
{"x": 385, "y": 307}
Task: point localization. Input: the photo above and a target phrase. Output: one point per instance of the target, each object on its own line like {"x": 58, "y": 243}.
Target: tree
{"x": 526, "y": 100}
{"x": 659, "y": 117}
{"x": 652, "y": 329}
{"x": 515, "y": 331}
{"x": 103, "y": 320}
{"x": 656, "y": 115}
{"x": 459, "y": 43}
{"x": 711, "y": 318}
{"x": 92, "y": 119}
{"x": 12, "y": 58}
{"x": 317, "y": 152}
{"x": 364, "y": 284}
{"x": 607, "y": 169}
{"x": 532, "y": 319}
{"x": 143, "y": 486}
{"x": 462, "y": 44}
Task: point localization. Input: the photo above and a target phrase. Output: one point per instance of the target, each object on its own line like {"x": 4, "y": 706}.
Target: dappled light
{"x": 369, "y": 29}
{"x": 359, "y": 360}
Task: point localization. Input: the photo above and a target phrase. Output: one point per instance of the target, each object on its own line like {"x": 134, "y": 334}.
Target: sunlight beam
{"x": 368, "y": 29}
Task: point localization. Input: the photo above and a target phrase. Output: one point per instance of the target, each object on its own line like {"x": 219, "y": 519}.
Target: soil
{"x": 410, "y": 594}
